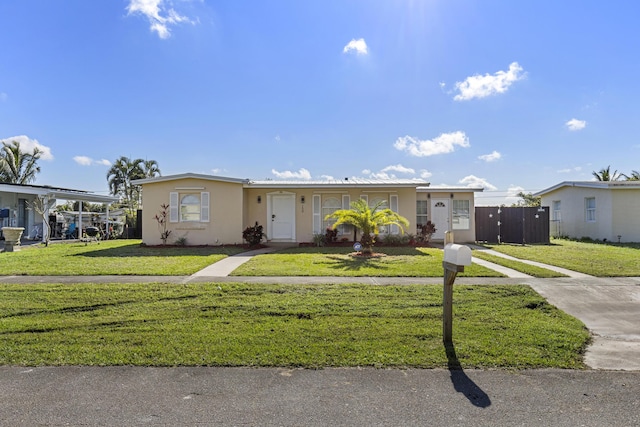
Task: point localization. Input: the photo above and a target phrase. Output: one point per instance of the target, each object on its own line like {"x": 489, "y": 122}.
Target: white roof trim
{"x": 187, "y": 176}
{"x": 611, "y": 185}
{"x": 56, "y": 193}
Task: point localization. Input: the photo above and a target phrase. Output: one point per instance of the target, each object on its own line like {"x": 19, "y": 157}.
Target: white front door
{"x": 282, "y": 217}
{"x": 440, "y": 217}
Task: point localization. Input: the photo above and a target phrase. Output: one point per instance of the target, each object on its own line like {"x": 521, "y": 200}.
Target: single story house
{"x": 600, "y": 210}
{"x": 17, "y": 201}
{"x": 214, "y": 210}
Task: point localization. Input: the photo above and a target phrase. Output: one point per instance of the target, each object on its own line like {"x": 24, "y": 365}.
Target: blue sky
{"x": 510, "y": 95}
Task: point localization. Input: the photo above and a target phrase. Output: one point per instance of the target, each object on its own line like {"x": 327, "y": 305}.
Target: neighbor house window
{"x": 461, "y": 219}
{"x": 189, "y": 207}
{"x": 421, "y": 213}
{"x": 590, "y": 209}
{"x": 556, "y": 211}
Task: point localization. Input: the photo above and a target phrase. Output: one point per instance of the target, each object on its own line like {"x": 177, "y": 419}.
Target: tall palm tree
{"x": 368, "y": 220}
{"x": 120, "y": 175}
{"x": 16, "y": 166}
{"x": 606, "y": 175}
{"x": 150, "y": 169}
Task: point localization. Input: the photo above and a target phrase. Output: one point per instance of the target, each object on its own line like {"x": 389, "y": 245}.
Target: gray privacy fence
{"x": 512, "y": 224}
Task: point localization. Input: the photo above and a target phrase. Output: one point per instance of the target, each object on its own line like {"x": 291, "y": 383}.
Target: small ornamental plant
{"x": 253, "y": 235}
{"x": 426, "y": 231}
{"x": 162, "y": 220}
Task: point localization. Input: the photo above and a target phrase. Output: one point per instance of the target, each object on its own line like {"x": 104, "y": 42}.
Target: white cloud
{"x": 575, "y": 124}
{"x": 442, "y": 144}
{"x": 358, "y": 46}
{"x": 366, "y": 171}
{"x": 301, "y": 174}
{"x": 424, "y": 174}
{"x": 160, "y": 16}
{"x": 569, "y": 170}
{"x": 474, "y": 181}
{"x": 381, "y": 175}
{"x": 490, "y": 157}
{"x": 27, "y": 145}
{"x": 327, "y": 177}
{"x": 399, "y": 168}
{"x": 83, "y": 160}
{"x": 88, "y": 161}
{"x": 482, "y": 86}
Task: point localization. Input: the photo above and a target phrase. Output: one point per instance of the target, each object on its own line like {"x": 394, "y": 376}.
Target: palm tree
{"x": 635, "y": 176}
{"x": 150, "y": 169}
{"x": 16, "y": 166}
{"x": 368, "y": 220}
{"x": 120, "y": 175}
{"x": 606, "y": 175}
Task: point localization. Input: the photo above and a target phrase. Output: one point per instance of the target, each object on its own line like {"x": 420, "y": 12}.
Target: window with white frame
{"x": 373, "y": 201}
{"x": 555, "y": 215}
{"x": 189, "y": 207}
{"x": 461, "y": 219}
{"x": 329, "y": 206}
{"x": 590, "y": 209}
{"x": 421, "y": 213}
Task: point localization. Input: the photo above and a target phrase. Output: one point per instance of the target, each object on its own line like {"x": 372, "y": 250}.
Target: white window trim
{"x": 587, "y": 209}
{"x": 174, "y": 207}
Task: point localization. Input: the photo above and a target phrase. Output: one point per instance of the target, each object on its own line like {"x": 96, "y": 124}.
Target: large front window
{"x": 190, "y": 207}
{"x": 461, "y": 219}
{"x": 329, "y": 206}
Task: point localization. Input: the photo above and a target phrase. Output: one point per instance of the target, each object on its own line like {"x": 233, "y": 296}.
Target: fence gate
{"x": 512, "y": 224}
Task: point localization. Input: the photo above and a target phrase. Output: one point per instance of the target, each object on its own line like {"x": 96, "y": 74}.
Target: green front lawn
{"x": 338, "y": 261}
{"x": 112, "y": 257}
{"x": 282, "y": 325}
{"x": 596, "y": 259}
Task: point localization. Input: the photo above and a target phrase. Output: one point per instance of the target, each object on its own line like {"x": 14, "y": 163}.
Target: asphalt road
{"x": 131, "y": 396}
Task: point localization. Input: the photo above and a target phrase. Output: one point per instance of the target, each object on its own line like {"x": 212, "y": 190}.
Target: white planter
{"x": 12, "y": 237}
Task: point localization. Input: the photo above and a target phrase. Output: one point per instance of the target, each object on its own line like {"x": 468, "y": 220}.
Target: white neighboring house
{"x": 16, "y": 202}
{"x": 600, "y": 210}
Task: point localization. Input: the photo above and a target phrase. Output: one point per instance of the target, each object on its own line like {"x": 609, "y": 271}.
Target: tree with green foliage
{"x": 368, "y": 220}
{"x": 120, "y": 175}
{"x": 16, "y": 166}
{"x": 606, "y": 175}
{"x": 528, "y": 200}
{"x": 635, "y": 176}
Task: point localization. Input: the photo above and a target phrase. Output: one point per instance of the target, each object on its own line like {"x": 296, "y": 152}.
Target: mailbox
{"x": 457, "y": 254}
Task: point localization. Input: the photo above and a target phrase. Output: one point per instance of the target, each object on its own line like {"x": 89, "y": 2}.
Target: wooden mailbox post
{"x": 455, "y": 258}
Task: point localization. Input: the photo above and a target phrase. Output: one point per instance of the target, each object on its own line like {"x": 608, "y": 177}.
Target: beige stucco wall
{"x": 626, "y": 215}
{"x": 226, "y": 212}
{"x": 573, "y": 212}
{"x": 304, "y": 211}
{"x": 234, "y": 207}
{"x": 461, "y": 236}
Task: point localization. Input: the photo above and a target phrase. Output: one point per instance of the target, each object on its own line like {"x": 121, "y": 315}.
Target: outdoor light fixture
{"x": 301, "y": 199}
{"x": 451, "y": 195}
{"x": 259, "y": 199}
{"x": 428, "y": 195}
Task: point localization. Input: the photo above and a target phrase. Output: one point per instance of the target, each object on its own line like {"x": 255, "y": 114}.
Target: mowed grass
{"x": 532, "y": 270}
{"x": 339, "y": 261}
{"x": 596, "y": 259}
{"x": 310, "y": 326}
{"x": 113, "y": 257}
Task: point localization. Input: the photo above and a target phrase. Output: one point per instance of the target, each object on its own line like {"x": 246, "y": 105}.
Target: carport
{"x": 15, "y": 197}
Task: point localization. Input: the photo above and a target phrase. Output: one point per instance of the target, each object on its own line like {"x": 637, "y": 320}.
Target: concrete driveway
{"x": 609, "y": 307}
